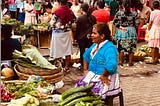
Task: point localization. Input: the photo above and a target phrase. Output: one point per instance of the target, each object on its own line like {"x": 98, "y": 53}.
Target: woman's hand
{"x": 124, "y": 29}
{"x": 105, "y": 79}
{"x": 85, "y": 71}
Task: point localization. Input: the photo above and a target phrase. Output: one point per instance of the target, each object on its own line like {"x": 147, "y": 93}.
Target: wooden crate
{"x": 44, "y": 39}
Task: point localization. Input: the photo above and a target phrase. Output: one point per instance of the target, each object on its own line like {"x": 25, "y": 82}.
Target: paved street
{"x": 141, "y": 90}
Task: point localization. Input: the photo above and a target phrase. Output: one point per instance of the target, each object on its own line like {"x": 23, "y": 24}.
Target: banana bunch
{"x": 145, "y": 48}
{"x": 140, "y": 53}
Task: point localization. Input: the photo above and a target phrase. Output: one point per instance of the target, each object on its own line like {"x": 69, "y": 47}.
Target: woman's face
{"x": 48, "y": 10}
{"x": 96, "y": 37}
{"x": 30, "y": 1}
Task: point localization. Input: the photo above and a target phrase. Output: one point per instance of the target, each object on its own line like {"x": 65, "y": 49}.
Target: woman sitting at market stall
{"x": 8, "y": 44}
{"x": 101, "y": 63}
{"x": 61, "y": 44}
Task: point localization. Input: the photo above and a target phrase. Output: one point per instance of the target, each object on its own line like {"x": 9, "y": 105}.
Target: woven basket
{"x": 39, "y": 72}
{"x": 52, "y": 78}
{"x": 6, "y": 79}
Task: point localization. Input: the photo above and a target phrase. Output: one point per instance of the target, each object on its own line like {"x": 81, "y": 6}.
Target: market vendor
{"x": 101, "y": 63}
{"x": 8, "y": 44}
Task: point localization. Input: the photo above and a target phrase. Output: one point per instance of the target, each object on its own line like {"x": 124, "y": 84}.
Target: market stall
{"x": 37, "y": 79}
{"x": 35, "y": 34}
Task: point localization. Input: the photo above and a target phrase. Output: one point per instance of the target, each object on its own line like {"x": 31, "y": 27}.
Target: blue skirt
{"x": 21, "y": 17}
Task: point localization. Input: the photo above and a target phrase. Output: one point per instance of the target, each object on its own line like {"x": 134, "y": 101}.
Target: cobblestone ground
{"x": 141, "y": 90}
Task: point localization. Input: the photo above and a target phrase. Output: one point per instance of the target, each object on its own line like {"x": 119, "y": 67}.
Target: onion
{"x": 7, "y": 72}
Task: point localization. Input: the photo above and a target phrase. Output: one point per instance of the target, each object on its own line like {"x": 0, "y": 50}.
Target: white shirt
{"x": 95, "y": 47}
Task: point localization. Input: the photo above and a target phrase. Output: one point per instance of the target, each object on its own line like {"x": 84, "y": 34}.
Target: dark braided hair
{"x": 127, "y": 6}
{"x": 85, "y": 7}
{"x": 103, "y": 28}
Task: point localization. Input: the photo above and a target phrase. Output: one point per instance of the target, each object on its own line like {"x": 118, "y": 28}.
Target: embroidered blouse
{"x": 62, "y": 19}
{"x": 105, "y": 58}
{"x": 121, "y": 19}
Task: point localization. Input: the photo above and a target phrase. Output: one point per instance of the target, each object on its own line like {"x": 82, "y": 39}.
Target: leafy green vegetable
{"x": 31, "y": 57}
{"x": 34, "y": 55}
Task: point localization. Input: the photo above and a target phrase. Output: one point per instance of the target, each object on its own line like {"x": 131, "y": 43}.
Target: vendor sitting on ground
{"x": 101, "y": 63}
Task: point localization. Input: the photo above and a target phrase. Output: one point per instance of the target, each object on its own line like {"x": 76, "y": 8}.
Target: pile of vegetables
{"x": 13, "y": 22}
{"x": 26, "y": 29}
{"x": 143, "y": 51}
{"x": 27, "y": 100}
{"x": 30, "y": 88}
{"x": 80, "y": 96}
{"x": 5, "y": 94}
{"x": 41, "y": 26}
{"x": 145, "y": 48}
{"x": 21, "y": 29}
{"x": 30, "y": 57}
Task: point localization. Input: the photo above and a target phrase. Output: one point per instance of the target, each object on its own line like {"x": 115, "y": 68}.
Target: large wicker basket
{"x": 51, "y": 77}
{"x": 39, "y": 72}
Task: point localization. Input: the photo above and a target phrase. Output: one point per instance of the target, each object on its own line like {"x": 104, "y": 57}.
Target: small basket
{"x": 52, "y": 78}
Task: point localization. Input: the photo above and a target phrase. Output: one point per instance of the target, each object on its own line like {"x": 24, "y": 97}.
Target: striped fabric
{"x": 99, "y": 88}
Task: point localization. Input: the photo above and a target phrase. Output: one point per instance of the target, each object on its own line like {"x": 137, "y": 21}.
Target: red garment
{"x": 11, "y": 2}
{"x": 101, "y": 15}
{"x": 65, "y": 14}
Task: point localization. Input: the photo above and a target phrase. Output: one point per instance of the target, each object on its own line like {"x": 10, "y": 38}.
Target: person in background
{"x": 143, "y": 13}
{"x": 76, "y": 8}
{"x": 69, "y": 4}
{"x": 114, "y": 7}
{"x": 30, "y": 16}
{"x": 84, "y": 26}
{"x": 101, "y": 14}
{"x": 4, "y": 4}
{"x": 154, "y": 32}
{"x": 101, "y": 63}
{"x": 60, "y": 23}
{"x": 48, "y": 9}
{"x": 126, "y": 37}
{"x": 8, "y": 44}
{"x": 37, "y": 10}
{"x": 55, "y": 6}
{"x": 21, "y": 15}
{"x": 17, "y": 2}
{"x": 12, "y": 8}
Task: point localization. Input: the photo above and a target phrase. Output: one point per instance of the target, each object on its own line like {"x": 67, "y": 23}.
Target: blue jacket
{"x": 106, "y": 58}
